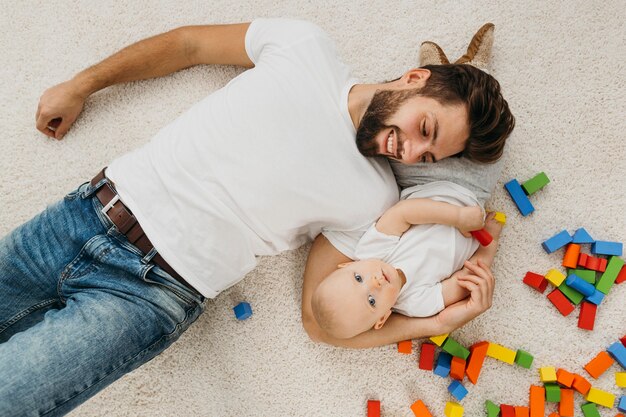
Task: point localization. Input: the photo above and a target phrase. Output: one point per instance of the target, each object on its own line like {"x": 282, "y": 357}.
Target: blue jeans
{"x": 79, "y": 307}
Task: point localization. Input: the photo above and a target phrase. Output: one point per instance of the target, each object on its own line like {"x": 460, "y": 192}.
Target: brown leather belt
{"x": 127, "y": 224}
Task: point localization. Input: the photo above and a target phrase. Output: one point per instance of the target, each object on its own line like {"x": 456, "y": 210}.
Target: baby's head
{"x": 356, "y": 297}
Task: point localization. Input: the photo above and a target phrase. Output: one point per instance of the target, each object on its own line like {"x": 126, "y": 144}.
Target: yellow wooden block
{"x": 500, "y": 217}
{"x": 453, "y": 409}
{"x": 600, "y": 397}
{"x": 547, "y": 374}
{"x": 501, "y": 353}
{"x": 620, "y": 379}
{"x": 555, "y": 277}
{"x": 438, "y": 340}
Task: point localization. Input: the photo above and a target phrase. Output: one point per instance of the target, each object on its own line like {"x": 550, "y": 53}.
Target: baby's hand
{"x": 470, "y": 219}
{"x": 492, "y": 226}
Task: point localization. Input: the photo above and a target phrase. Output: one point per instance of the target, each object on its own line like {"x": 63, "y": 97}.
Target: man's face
{"x": 410, "y": 128}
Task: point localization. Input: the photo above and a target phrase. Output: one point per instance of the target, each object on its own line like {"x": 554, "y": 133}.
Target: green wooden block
{"x": 573, "y": 295}
{"x": 553, "y": 392}
{"x": 454, "y": 348}
{"x": 590, "y": 410}
{"x": 492, "y": 409}
{"x": 536, "y": 183}
{"x": 607, "y": 279}
{"x": 586, "y": 274}
{"x": 523, "y": 359}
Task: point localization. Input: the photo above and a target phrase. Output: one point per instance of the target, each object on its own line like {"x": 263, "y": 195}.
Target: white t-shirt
{"x": 427, "y": 254}
{"x": 259, "y": 166}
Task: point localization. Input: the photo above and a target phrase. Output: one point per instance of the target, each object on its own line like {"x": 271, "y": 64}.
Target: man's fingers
{"x": 62, "y": 129}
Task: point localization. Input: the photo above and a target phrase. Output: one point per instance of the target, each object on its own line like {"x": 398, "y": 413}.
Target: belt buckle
{"x": 110, "y": 204}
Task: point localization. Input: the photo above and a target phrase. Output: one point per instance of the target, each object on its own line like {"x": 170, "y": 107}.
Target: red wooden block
{"x": 581, "y": 384}
{"x": 566, "y": 405}
{"x": 507, "y": 410}
{"x": 561, "y": 302}
{"x": 482, "y": 236}
{"x": 373, "y": 408}
{"x": 478, "y": 351}
{"x": 621, "y": 277}
{"x": 405, "y": 346}
{"x": 623, "y": 340}
{"x": 593, "y": 263}
{"x": 457, "y": 368}
{"x": 570, "y": 259}
{"x": 538, "y": 282}
{"x": 564, "y": 378}
{"x": 427, "y": 356}
{"x": 587, "y": 315}
{"x": 582, "y": 260}
{"x": 602, "y": 266}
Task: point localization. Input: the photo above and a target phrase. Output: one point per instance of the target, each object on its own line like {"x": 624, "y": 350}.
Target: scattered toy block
{"x": 621, "y": 405}
{"x": 406, "y": 347}
{"x": 557, "y": 241}
{"x": 574, "y": 296}
{"x": 457, "y": 390}
{"x": 620, "y": 379}
{"x": 609, "y": 276}
{"x": 420, "y": 410}
{"x": 538, "y": 282}
{"x": 519, "y": 197}
{"x": 590, "y": 410}
{"x": 587, "y": 316}
{"x": 242, "y": 310}
{"x": 501, "y": 353}
{"x": 443, "y": 365}
{"x": 598, "y": 365}
{"x": 600, "y": 247}
{"x": 482, "y": 236}
{"x": 566, "y": 405}
{"x": 602, "y": 266}
{"x": 500, "y": 217}
{"x": 596, "y": 297}
{"x": 427, "y": 356}
{"x": 453, "y": 409}
{"x": 618, "y": 351}
{"x": 454, "y": 348}
{"x": 537, "y": 401}
{"x": 587, "y": 275}
{"x": 621, "y": 277}
{"x": 553, "y": 392}
{"x": 582, "y": 236}
{"x": 438, "y": 340}
{"x": 535, "y": 184}
{"x": 555, "y": 414}
{"x": 457, "y": 369}
{"x": 623, "y": 340}
{"x": 478, "y": 351}
{"x": 559, "y": 300}
{"x": 547, "y": 374}
{"x": 373, "y": 408}
{"x": 492, "y": 409}
{"x": 603, "y": 398}
{"x": 582, "y": 259}
{"x": 570, "y": 259}
{"x": 580, "y": 285}
{"x": 555, "y": 277}
{"x": 521, "y": 411}
{"x": 523, "y": 359}
{"x": 593, "y": 263}
{"x": 581, "y": 384}
{"x": 507, "y": 410}
{"x": 564, "y": 377}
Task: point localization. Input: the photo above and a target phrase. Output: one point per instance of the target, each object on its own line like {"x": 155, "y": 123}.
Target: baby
{"x": 404, "y": 260}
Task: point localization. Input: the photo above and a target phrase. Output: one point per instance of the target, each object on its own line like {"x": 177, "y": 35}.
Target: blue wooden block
{"x": 618, "y": 351}
{"x": 600, "y": 247}
{"x": 595, "y": 298}
{"x": 443, "y": 365}
{"x": 519, "y": 197}
{"x": 557, "y": 241}
{"x": 621, "y": 405}
{"x": 582, "y": 236}
{"x": 242, "y": 310}
{"x": 580, "y": 285}
{"x": 457, "y": 390}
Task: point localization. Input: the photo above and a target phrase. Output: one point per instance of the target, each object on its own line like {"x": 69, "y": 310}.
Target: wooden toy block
{"x": 453, "y": 409}
{"x": 427, "y": 357}
{"x": 586, "y": 274}
{"x": 566, "y": 405}
{"x": 537, "y": 401}
{"x": 602, "y": 266}
{"x": 547, "y": 374}
{"x": 621, "y": 405}
{"x": 538, "y": 282}
{"x": 587, "y": 316}
{"x": 373, "y": 408}
{"x": 580, "y": 285}
{"x": 501, "y": 353}
{"x": 557, "y": 241}
{"x": 443, "y": 365}
{"x": 478, "y": 351}
{"x": 406, "y": 347}
{"x": 581, "y": 384}
{"x": 564, "y": 377}
{"x": 457, "y": 390}
{"x": 618, "y": 351}
{"x": 500, "y": 217}
{"x": 592, "y": 263}
{"x": 420, "y": 410}
{"x": 555, "y": 277}
{"x": 507, "y": 410}
{"x": 535, "y": 184}
{"x": 523, "y": 359}
{"x": 590, "y": 410}
{"x": 482, "y": 236}
{"x": 454, "y": 348}
{"x": 582, "y": 259}
{"x": 623, "y": 340}
{"x": 555, "y": 414}
{"x": 603, "y": 398}
{"x": 242, "y": 310}
{"x": 570, "y": 259}
{"x": 598, "y": 365}
{"x": 492, "y": 409}
{"x": 519, "y": 197}
{"x": 557, "y": 298}
{"x": 438, "y": 340}
{"x": 621, "y": 277}
{"x": 582, "y": 236}
{"x": 457, "y": 369}
{"x": 521, "y": 411}
{"x": 619, "y": 415}
{"x": 609, "y": 276}
{"x": 574, "y": 296}
{"x": 553, "y": 392}
{"x": 596, "y": 297}
{"x": 601, "y": 247}
{"x": 620, "y": 379}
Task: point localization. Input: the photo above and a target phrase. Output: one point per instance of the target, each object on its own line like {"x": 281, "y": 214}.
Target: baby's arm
{"x": 397, "y": 219}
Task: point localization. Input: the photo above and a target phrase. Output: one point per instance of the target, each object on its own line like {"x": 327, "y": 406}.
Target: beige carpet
{"x": 562, "y": 69}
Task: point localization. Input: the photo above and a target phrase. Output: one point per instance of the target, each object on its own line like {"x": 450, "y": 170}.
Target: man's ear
{"x": 416, "y": 77}
{"x": 344, "y": 264}
{"x": 381, "y": 321}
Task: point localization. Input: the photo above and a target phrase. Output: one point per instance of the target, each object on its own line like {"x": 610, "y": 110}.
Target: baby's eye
{"x": 358, "y": 278}
{"x": 371, "y": 300}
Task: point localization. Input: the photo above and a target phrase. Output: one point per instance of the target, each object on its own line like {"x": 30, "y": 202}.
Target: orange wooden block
{"x": 478, "y": 351}
{"x": 581, "y": 384}
{"x": 457, "y": 368}
{"x": 566, "y": 405}
{"x": 420, "y": 410}
{"x": 570, "y": 260}
{"x": 373, "y": 408}
{"x": 522, "y": 411}
{"x": 564, "y": 378}
{"x": 537, "y": 401}
{"x": 406, "y": 347}
{"x": 555, "y": 414}
{"x": 599, "y": 364}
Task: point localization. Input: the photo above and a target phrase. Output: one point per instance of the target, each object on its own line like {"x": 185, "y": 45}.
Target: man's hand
{"x": 469, "y": 219}
{"x": 480, "y": 284}
{"x": 58, "y": 109}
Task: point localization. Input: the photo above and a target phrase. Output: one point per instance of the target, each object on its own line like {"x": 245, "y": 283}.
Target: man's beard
{"x": 383, "y": 105}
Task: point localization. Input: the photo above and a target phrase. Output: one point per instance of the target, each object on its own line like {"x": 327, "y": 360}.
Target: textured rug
{"x": 561, "y": 65}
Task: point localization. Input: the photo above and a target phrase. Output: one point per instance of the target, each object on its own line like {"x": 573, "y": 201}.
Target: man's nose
{"x": 412, "y": 151}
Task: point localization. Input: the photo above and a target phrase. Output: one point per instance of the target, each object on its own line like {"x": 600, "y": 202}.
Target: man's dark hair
{"x": 490, "y": 119}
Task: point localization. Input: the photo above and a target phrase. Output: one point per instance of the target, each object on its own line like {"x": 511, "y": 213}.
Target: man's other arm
{"x": 160, "y": 55}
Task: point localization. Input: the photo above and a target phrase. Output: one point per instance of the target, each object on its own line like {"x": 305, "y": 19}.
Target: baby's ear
{"x": 344, "y": 264}
{"x": 381, "y": 321}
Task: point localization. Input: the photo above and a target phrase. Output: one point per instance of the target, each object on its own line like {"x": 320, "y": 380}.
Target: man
{"x": 106, "y": 279}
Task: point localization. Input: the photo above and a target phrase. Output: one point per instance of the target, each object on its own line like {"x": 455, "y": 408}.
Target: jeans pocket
{"x": 73, "y": 195}
{"x": 156, "y": 275}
